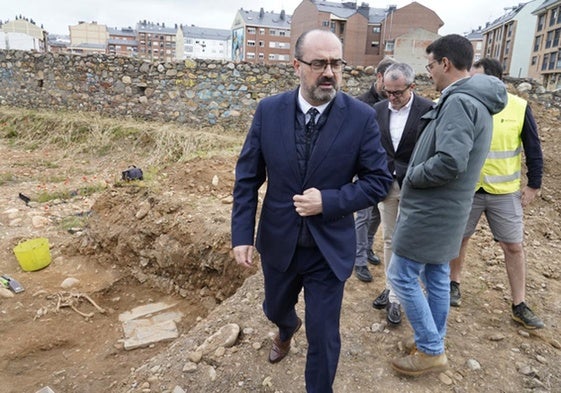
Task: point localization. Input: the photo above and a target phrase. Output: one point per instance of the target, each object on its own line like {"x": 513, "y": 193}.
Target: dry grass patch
{"x": 79, "y": 132}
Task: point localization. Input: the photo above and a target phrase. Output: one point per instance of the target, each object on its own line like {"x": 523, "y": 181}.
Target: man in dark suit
{"x": 308, "y": 144}
{"x": 399, "y": 119}
{"x": 367, "y": 220}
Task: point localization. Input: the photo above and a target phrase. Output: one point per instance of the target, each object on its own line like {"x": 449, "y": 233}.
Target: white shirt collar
{"x": 305, "y": 105}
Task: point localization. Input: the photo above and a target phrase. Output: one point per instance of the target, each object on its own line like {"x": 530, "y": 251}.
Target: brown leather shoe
{"x": 280, "y": 349}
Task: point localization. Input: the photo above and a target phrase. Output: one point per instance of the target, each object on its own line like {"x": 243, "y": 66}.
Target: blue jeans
{"x": 367, "y": 222}
{"x": 426, "y": 314}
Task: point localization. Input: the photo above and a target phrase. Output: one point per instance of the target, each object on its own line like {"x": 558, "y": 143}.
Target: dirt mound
{"x": 172, "y": 234}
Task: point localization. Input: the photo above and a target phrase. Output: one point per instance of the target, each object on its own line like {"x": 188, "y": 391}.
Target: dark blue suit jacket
{"x": 348, "y": 145}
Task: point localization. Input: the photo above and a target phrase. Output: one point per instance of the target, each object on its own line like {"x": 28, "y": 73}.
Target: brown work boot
{"x": 280, "y": 349}
{"x": 419, "y": 363}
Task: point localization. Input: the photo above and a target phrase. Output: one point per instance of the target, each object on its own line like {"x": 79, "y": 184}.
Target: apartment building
{"x": 545, "y": 62}
{"x": 476, "y": 39}
{"x": 509, "y": 38}
{"x": 88, "y": 38}
{"x": 157, "y": 42}
{"x": 22, "y": 34}
{"x": 261, "y": 37}
{"x": 368, "y": 34}
{"x": 122, "y": 42}
{"x": 205, "y": 43}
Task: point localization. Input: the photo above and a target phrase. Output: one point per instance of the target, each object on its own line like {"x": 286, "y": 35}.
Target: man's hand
{"x": 309, "y": 203}
{"x": 244, "y": 255}
{"x": 528, "y": 195}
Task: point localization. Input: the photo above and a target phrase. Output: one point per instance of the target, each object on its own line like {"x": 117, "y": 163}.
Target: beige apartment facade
{"x": 545, "y": 61}
{"x": 25, "y": 31}
{"x": 88, "y": 38}
{"x": 509, "y": 39}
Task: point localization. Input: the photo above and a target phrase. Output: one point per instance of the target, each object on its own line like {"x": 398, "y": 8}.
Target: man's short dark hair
{"x": 384, "y": 64}
{"x": 490, "y": 67}
{"x": 455, "y": 48}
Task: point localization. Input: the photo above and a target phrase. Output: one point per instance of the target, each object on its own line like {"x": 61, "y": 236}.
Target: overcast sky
{"x": 57, "y": 15}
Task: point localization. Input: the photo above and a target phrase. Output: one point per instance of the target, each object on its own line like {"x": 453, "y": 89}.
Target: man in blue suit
{"x": 308, "y": 144}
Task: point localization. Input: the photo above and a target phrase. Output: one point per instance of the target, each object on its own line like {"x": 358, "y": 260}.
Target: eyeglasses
{"x": 396, "y": 93}
{"x": 429, "y": 66}
{"x": 320, "y": 65}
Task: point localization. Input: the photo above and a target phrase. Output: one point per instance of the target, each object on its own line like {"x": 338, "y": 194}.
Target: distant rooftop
{"x": 505, "y": 18}
{"x": 345, "y": 10}
{"x": 266, "y": 19}
{"x": 206, "y": 33}
{"x": 150, "y": 27}
{"x": 126, "y": 31}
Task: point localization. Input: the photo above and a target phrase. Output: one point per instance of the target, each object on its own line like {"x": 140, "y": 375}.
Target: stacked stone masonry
{"x": 193, "y": 92}
{"x": 198, "y": 92}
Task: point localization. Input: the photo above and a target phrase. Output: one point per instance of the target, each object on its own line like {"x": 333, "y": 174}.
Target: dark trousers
{"x": 323, "y": 295}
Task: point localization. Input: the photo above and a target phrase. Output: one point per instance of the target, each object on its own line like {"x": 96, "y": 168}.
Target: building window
{"x": 559, "y": 15}
{"x": 332, "y": 27}
{"x": 549, "y": 40}
{"x": 537, "y": 43}
{"x": 251, "y": 30}
{"x": 375, "y": 44}
{"x": 250, "y": 43}
{"x": 552, "y": 59}
{"x": 281, "y": 45}
{"x": 272, "y": 32}
{"x": 558, "y": 65}
{"x": 556, "y": 38}
{"x": 541, "y": 20}
{"x": 534, "y": 60}
{"x": 325, "y": 23}
{"x": 261, "y": 56}
{"x": 389, "y": 46}
{"x": 478, "y": 45}
{"x": 250, "y": 55}
{"x": 272, "y": 56}
{"x": 545, "y": 61}
{"x": 376, "y": 30}
{"x": 553, "y": 16}
{"x": 261, "y": 31}
{"x": 507, "y": 47}
{"x": 283, "y": 33}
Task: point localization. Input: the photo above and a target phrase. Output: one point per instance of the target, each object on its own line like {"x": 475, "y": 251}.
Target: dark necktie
{"x": 311, "y": 124}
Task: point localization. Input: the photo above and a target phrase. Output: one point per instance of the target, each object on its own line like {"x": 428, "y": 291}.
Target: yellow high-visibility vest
{"x": 501, "y": 171}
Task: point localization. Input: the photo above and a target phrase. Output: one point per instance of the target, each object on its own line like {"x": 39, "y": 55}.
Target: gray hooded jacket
{"x": 438, "y": 188}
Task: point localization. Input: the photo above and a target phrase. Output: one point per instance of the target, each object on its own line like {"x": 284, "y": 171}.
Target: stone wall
{"x": 194, "y": 92}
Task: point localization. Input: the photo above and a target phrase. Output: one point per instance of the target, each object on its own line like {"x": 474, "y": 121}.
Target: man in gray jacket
{"x": 436, "y": 196}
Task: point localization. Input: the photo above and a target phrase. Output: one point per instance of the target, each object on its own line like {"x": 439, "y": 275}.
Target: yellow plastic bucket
{"x": 33, "y": 254}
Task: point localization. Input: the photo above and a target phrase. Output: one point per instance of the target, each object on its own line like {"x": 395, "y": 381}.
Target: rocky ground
{"x": 166, "y": 239}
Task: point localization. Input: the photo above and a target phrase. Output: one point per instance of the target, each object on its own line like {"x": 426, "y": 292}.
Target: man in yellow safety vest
{"x": 499, "y": 195}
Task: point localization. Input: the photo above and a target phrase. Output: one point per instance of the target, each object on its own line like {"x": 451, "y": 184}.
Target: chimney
{"x": 364, "y": 10}
{"x": 261, "y": 13}
{"x": 283, "y": 15}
